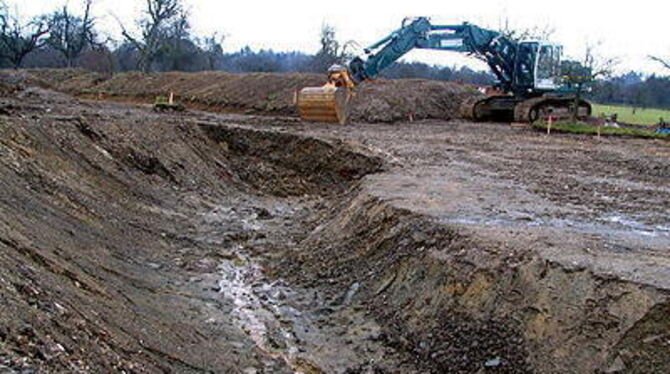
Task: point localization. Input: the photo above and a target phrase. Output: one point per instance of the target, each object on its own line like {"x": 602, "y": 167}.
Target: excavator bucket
{"x": 323, "y": 104}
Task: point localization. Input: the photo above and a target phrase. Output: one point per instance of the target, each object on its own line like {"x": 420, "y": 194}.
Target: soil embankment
{"x": 266, "y": 93}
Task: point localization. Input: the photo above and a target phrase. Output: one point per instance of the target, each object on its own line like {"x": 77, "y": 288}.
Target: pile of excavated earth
{"x": 240, "y": 240}
{"x": 264, "y": 93}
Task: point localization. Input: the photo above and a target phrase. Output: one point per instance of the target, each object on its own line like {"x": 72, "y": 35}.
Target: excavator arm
{"x": 492, "y": 47}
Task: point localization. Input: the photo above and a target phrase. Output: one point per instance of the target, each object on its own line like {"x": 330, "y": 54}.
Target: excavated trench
{"x": 142, "y": 242}
{"x": 459, "y": 301}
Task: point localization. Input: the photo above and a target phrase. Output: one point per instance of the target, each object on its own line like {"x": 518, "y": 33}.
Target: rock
{"x": 651, "y": 339}
{"x": 493, "y": 363}
{"x": 6, "y": 370}
{"x": 27, "y": 330}
{"x": 618, "y": 366}
{"x": 377, "y": 335}
{"x": 154, "y": 265}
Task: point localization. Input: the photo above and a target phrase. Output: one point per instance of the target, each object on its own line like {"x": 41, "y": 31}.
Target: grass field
{"x": 640, "y": 117}
{"x": 605, "y": 131}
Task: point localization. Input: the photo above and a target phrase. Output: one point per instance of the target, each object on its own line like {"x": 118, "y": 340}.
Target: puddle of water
{"x": 636, "y": 226}
{"x": 304, "y": 334}
{"x": 614, "y": 225}
{"x": 258, "y": 309}
{"x": 309, "y": 331}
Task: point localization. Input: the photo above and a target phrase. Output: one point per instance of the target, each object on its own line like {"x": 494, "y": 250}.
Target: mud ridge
{"x": 285, "y": 164}
{"x": 385, "y": 101}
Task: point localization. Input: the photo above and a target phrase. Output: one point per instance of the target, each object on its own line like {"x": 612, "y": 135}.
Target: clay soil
{"x": 142, "y": 242}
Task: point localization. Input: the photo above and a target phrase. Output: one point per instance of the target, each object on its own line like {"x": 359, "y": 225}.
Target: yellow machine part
{"x": 323, "y": 104}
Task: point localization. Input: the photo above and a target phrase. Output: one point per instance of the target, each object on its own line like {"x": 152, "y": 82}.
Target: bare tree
{"x": 100, "y": 60}
{"x": 541, "y": 33}
{"x": 212, "y": 47}
{"x": 176, "y": 47}
{"x": 579, "y": 74}
{"x": 72, "y": 35}
{"x": 158, "y": 14}
{"x": 662, "y": 61}
{"x": 332, "y": 51}
{"x": 18, "y": 39}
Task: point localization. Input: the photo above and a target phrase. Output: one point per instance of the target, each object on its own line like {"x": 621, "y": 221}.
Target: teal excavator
{"x": 528, "y": 74}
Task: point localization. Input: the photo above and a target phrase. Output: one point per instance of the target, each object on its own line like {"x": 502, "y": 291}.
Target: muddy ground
{"x": 135, "y": 241}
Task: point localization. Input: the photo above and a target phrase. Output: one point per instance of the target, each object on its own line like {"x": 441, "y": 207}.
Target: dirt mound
{"x": 268, "y": 93}
{"x": 13, "y": 81}
{"x": 409, "y": 99}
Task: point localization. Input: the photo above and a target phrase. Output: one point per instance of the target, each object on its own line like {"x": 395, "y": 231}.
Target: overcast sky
{"x": 629, "y": 30}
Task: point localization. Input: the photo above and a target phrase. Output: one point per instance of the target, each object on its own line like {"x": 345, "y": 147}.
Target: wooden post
{"x": 171, "y": 99}
{"x": 602, "y": 120}
{"x": 550, "y": 121}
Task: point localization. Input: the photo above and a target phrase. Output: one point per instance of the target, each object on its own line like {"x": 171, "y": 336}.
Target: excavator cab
{"x": 548, "y": 67}
{"x": 538, "y": 66}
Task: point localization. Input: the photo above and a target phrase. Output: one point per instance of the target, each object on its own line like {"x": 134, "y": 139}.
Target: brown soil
{"x": 266, "y": 93}
{"x": 152, "y": 242}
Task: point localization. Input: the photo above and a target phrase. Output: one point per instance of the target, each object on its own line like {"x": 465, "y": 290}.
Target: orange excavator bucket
{"x": 329, "y": 103}
{"x": 323, "y": 104}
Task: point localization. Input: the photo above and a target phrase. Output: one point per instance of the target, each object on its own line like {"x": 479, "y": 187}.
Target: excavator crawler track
{"x": 505, "y": 108}
{"x": 499, "y": 108}
{"x": 542, "y": 108}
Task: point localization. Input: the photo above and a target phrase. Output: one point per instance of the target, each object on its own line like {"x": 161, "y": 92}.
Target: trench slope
{"x": 115, "y": 223}
{"x": 475, "y": 253}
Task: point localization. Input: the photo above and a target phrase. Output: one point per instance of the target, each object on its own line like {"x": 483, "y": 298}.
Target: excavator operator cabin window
{"x": 546, "y": 63}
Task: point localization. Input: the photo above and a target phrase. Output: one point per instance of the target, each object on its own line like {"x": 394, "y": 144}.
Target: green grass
{"x": 648, "y": 117}
{"x": 605, "y": 131}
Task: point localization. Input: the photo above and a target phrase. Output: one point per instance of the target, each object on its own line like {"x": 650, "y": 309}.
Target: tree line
{"x": 635, "y": 90}
{"x": 162, "y": 40}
